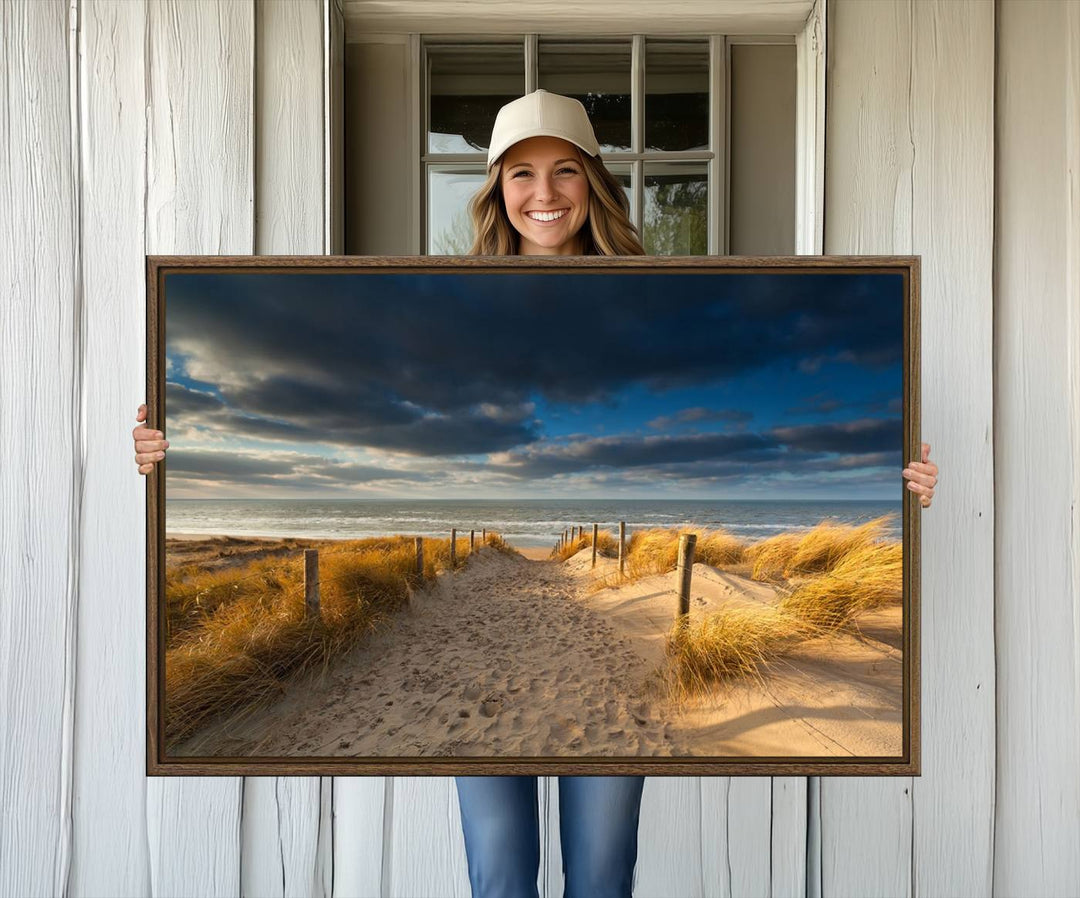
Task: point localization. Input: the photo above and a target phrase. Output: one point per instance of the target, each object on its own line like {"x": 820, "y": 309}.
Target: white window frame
{"x": 809, "y": 42}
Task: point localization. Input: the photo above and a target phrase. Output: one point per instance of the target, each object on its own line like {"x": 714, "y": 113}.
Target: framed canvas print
{"x": 578, "y": 515}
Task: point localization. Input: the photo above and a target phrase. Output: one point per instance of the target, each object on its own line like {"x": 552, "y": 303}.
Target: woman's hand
{"x": 149, "y": 444}
{"x": 922, "y": 477}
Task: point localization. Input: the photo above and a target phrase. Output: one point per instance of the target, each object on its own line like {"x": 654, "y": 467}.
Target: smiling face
{"x": 546, "y": 195}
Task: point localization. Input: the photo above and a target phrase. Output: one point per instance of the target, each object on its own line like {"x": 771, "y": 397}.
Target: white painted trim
{"x": 377, "y": 37}
{"x": 637, "y": 131}
{"x": 718, "y": 133}
{"x": 725, "y": 241}
{"x": 764, "y": 40}
{"x": 750, "y": 17}
{"x": 418, "y": 127}
{"x": 810, "y": 134}
{"x": 532, "y": 62}
{"x": 328, "y": 125}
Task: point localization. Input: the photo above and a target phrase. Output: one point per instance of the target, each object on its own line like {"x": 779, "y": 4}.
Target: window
{"x": 659, "y": 107}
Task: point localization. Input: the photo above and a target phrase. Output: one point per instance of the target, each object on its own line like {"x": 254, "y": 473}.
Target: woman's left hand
{"x": 922, "y": 477}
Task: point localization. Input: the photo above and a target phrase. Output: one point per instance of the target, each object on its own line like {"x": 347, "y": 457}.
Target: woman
{"x": 548, "y": 193}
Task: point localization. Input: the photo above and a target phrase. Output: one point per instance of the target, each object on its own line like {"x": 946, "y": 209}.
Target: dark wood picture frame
{"x": 907, "y": 763}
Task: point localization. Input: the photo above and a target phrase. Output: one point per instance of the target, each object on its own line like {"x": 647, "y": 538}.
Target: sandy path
{"x": 837, "y": 696}
{"x": 500, "y": 658}
{"x": 516, "y": 658}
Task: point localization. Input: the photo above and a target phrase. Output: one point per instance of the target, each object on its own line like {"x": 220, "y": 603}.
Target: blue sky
{"x": 566, "y": 383}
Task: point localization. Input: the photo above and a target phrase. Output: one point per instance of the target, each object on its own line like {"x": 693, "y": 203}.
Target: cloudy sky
{"x": 564, "y": 384}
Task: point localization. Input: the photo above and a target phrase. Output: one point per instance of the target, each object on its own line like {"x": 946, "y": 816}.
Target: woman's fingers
{"x": 919, "y": 476}
{"x": 151, "y": 445}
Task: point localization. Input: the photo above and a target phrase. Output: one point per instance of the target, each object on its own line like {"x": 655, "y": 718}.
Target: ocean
{"x": 522, "y": 522}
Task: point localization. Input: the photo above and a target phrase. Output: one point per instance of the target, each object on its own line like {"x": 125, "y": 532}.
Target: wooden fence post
{"x": 311, "y": 583}
{"x": 483, "y": 536}
{"x": 420, "y": 556}
{"x": 622, "y": 547}
{"x": 453, "y": 548}
{"x": 685, "y": 569}
{"x": 595, "y": 531}
{"x": 472, "y": 540}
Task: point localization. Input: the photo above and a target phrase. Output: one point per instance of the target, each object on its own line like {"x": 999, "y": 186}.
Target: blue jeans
{"x": 598, "y": 822}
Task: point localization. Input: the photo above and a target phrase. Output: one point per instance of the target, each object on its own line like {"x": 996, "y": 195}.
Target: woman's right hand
{"x": 150, "y": 444}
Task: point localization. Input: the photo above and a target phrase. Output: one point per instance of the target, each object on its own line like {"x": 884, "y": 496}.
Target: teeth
{"x": 546, "y": 216}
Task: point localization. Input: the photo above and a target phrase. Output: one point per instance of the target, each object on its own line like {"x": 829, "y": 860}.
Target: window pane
{"x": 676, "y": 95}
{"x": 676, "y": 209}
{"x": 597, "y": 74}
{"x": 449, "y": 191}
{"x": 623, "y": 175}
{"x": 466, "y": 86}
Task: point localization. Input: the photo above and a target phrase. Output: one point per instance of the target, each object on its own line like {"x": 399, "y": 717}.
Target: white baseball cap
{"x": 541, "y": 114}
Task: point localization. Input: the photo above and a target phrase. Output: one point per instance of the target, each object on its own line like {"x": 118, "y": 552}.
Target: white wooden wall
{"x": 160, "y": 127}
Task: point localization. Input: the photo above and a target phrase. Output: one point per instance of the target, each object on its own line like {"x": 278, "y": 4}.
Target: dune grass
{"x": 235, "y": 634}
{"x": 727, "y": 645}
{"x": 656, "y": 551}
{"x": 827, "y": 575}
{"x": 866, "y": 577}
{"x": 817, "y": 551}
{"x": 607, "y": 546}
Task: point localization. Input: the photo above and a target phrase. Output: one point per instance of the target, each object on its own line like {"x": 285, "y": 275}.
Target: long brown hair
{"x": 607, "y": 231}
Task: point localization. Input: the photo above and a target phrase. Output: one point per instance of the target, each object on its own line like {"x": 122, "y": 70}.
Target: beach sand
{"x": 511, "y": 657}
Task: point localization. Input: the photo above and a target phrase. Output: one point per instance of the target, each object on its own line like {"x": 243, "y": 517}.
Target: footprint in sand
{"x": 491, "y": 706}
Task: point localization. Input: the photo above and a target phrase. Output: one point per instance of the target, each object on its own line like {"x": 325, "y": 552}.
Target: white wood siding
{"x": 909, "y": 151}
{"x": 135, "y": 127}
{"x": 41, "y": 446}
{"x": 1036, "y": 839}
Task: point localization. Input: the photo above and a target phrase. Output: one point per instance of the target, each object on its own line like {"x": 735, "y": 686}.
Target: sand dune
{"x": 511, "y": 657}
{"x": 499, "y": 658}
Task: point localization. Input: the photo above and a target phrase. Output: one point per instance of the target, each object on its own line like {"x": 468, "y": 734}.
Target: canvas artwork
{"x": 590, "y": 515}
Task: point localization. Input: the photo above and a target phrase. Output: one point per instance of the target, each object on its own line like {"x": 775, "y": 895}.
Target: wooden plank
{"x": 554, "y": 17}
{"x": 199, "y": 196}
{"x": 425, "y": 850}
{"x": 788, "y": 836}
{"x": 40, "y": 445}
{"x": 283, "y": 815}
{"x": 360, "y": 809}
{"x": 109, "y": 813}
{"x": 1037, "y": 450}
{"x": 736, "y": 836}
{"x": 868, "y": 197}
{"x": 952, "y": 82}
{"x": 280, "y": 837}
{"x": 289, "y": 155}
{"x": 671, "y": 838}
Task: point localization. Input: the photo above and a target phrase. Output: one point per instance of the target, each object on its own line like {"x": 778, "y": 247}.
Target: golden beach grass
{"x": 830, "y": 573}
{"x": 728, "y": 644}
{"x": 607, "y": 546}
{"x": 816, "y": 551}
{"x": 235, "y": 634}
{"x": 868, "y": 576}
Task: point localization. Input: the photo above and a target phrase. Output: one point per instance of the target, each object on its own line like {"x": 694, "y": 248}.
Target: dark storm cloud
{"x": 407, "y": 361}
{"x": 825, "y": 447}
{"x": 700, "y": 415}
{"x": 863, "y": 435}
{"x": 543, "y": 460}
{"x": 826, "y": 404}
{"x": 390, "y": 426}
{"x": 280, "y": 468}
